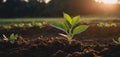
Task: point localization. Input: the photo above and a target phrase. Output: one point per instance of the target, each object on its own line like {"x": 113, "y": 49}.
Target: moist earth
{"x": 46, "y": 42}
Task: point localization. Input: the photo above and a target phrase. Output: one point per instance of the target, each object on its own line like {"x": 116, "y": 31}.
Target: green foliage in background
{"x": 8, "y": 27}
{"x": 37, "y": 24}
{"x": 101, "y": 24}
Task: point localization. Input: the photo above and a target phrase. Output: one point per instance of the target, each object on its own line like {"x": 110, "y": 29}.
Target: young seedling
{"x": 118, "y": 41}
{"x": 37, "y": 24}
{"x": 11, "y": 38}
{"x": 70, "y": 27}
{"x": 21, "y": 25}
{"x": 28, "y": 25}
{"x": 8, "y": 27}
{"x": 101, "y": 24}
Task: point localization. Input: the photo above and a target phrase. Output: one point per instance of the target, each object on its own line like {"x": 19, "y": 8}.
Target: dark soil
{"x": 45, "y": 42}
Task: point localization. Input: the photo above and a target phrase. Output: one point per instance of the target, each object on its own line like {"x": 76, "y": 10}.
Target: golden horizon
{"x": 108, "y": 1}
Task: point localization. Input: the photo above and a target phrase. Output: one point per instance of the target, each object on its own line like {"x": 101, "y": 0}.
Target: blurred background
{"x": 55, "y": 8}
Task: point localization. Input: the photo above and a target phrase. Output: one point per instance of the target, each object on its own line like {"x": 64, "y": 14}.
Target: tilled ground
{"x": 58, "y": 47}
{"x": 45, "y": 42}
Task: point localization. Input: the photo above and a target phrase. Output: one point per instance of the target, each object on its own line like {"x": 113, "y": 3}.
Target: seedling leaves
{"x": 60, "y": 25}
{"x": 80, "y": 29}
{"x": 75, "y": 20}
{"x": 67, "y": 18}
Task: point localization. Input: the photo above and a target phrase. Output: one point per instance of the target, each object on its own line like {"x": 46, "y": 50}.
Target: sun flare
{"x": 108, "y": 1}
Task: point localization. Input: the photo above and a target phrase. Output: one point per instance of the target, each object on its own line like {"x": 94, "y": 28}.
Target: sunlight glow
{"x": 47, "y": 1}
{"x": 107, "y": 1}
{"x": 4, "y": 1}
{"x": 26, "y": 0}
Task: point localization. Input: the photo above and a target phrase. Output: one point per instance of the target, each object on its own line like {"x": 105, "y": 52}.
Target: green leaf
{"x": 16, "y": 35}
{"x": 60, "y": 25}
{"x": 38, "y": 24}
{"x": 75, "y": 20}
{"x": 80, "y": 29}
{"x": 7, "y": 27}
{"x": 67, "y": 18}
{"x": 119, "y": 40}
{"x": 13, "y": 37}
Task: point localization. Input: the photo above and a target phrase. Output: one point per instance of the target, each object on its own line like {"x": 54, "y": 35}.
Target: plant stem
{"x": 70, "y": 35}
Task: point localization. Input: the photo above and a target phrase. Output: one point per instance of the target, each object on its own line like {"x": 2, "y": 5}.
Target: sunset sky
{"x": 103, "y": 1}
{"x": 108, "y": 1}
{"x": 100, "y": 1}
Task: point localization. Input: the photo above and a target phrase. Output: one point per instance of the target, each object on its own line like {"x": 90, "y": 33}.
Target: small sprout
{"x": 70, "y": 27}
{"x": 107, "y": 25}
{"x": 15, "y": 25}
{"x": 7, "y": 27}
{"x": 21, "y": 25}
{"x": 29, "y": 25}
{"x": 38, "y": 24}
{"x": 114, "y": 24}
{"x": 5, "y": 38}
{"x": 117, "y": 42}
{"x": 101, "y": 24}
{"x": 11, "y": 38}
